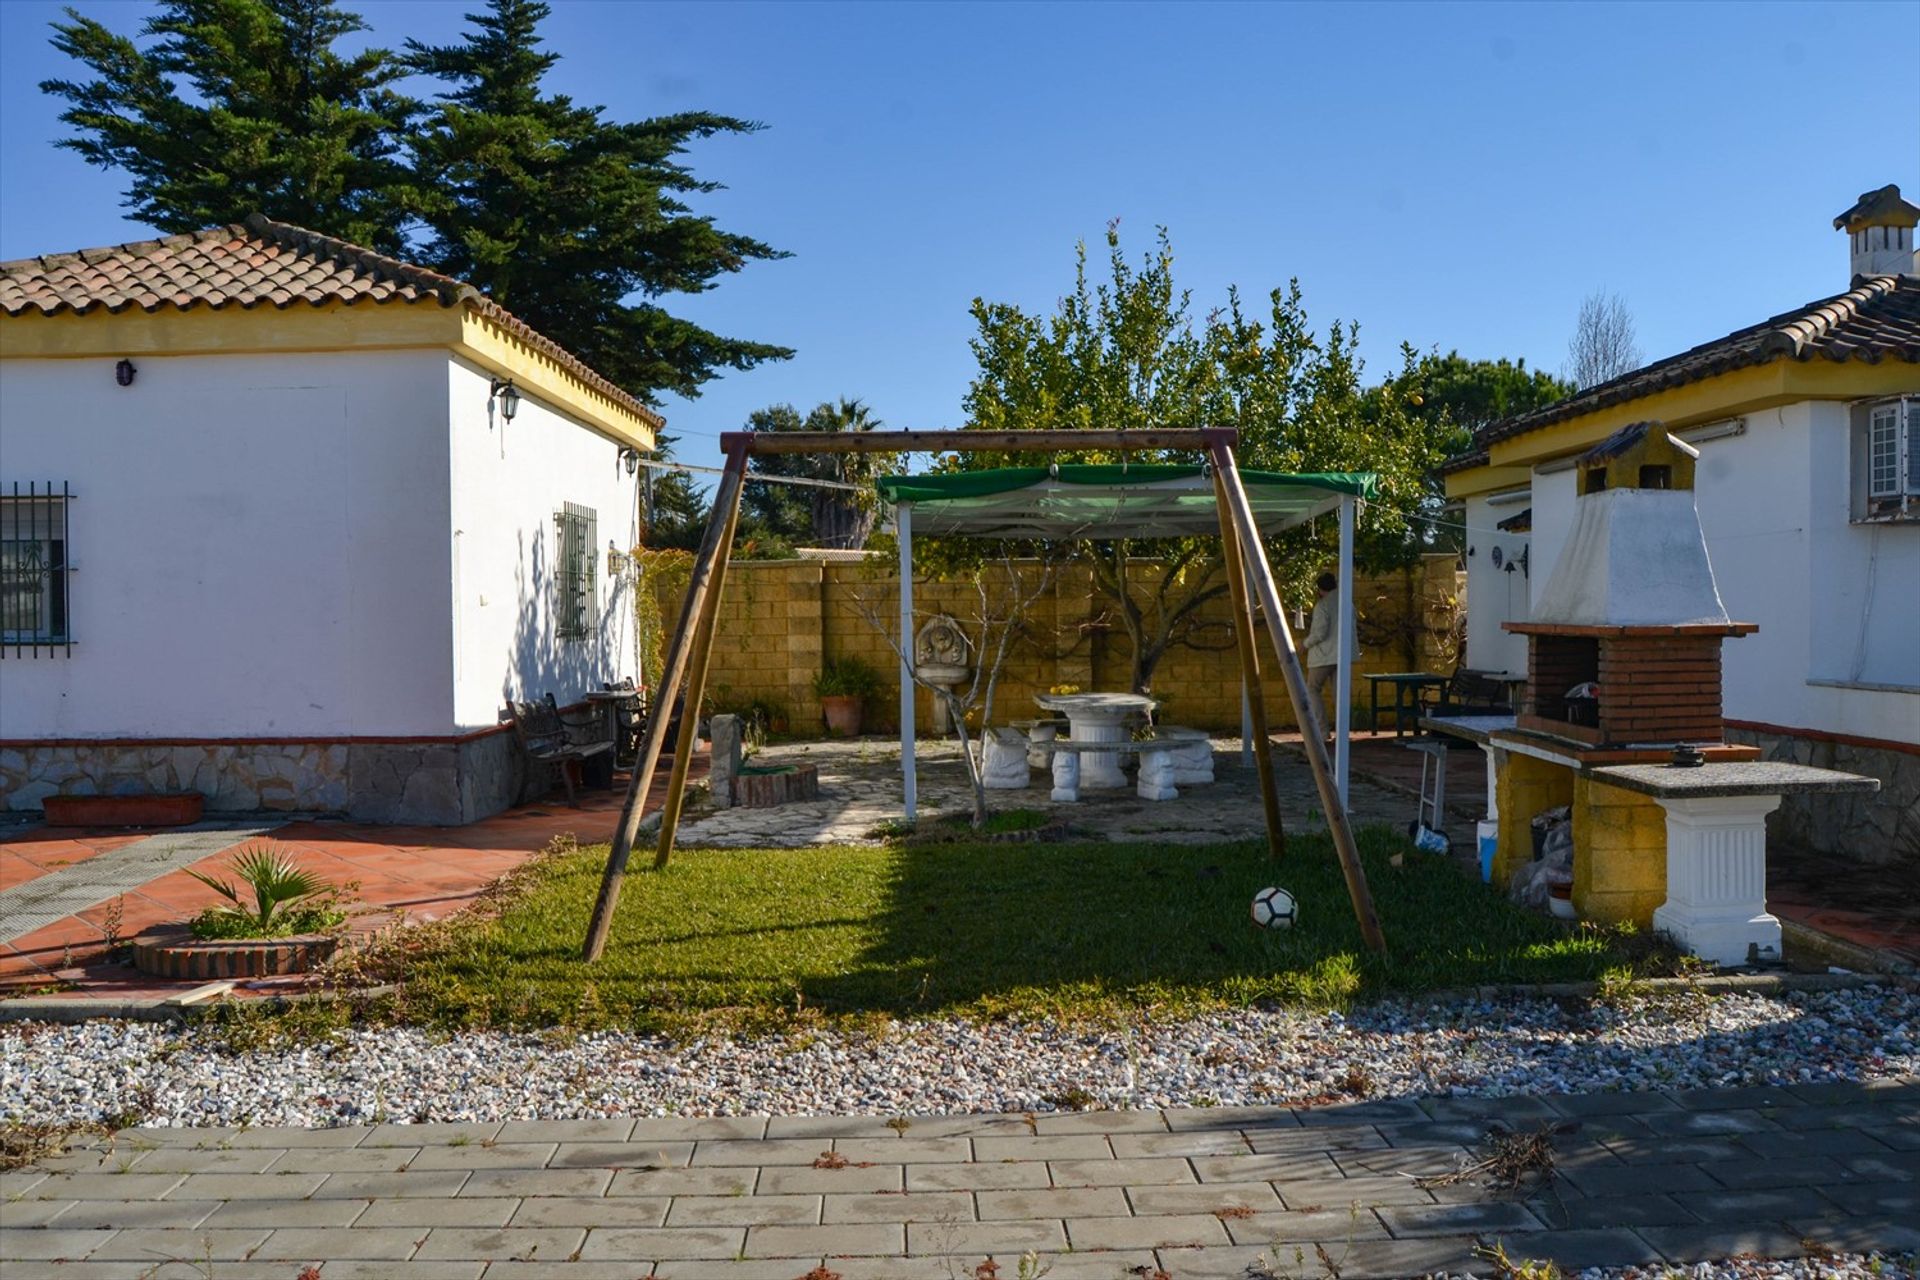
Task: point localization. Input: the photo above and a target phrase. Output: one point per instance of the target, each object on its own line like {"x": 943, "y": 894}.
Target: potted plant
{"x": 842, "y": 686}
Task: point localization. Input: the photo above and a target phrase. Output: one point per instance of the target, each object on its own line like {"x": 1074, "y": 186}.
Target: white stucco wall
{"x": 1752, "y": 495}
{"x": 507, "y": 482}
{"x": 1863, "y": 616}
{"x": 1837, "y": 604}
{"x": 1553, "y": 495}
{"x": 1495, "y": 596}
{"x": 258, "y": 540}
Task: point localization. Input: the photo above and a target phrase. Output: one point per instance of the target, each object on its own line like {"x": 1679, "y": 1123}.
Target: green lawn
{"x": 756, "y": 937}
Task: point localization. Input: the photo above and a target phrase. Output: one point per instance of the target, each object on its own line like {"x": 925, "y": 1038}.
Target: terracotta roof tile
{"x": 1878, "y": 319}
{"x": 259, "y": 262}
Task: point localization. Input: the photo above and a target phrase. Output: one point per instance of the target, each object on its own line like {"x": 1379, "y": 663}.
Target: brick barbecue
{"x": 1623, "y": 650}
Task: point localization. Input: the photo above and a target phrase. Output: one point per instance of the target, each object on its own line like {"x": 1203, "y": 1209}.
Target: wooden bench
{"x": 546, "y": 737}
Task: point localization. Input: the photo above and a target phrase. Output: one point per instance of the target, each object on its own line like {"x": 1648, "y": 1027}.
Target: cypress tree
{"x": 577, "y": 223}
{"x": 272, "y": 117}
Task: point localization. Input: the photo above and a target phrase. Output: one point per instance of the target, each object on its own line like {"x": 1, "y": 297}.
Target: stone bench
{"x": 1156, "y": 754}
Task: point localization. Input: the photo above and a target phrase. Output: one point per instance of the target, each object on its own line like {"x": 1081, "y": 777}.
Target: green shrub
{"x": 846, "y": 678}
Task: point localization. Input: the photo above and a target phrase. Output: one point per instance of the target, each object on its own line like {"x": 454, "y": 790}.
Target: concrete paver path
{"x": 1210, "y": 1192}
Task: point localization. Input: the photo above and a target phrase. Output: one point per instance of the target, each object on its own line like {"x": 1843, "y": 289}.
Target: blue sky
{"x": 1457, "y": 176}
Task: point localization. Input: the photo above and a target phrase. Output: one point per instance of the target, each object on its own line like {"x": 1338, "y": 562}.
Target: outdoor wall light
{"x": 123, "y": 373}
{"x": 508, "y": 395}
{"x": 631, "y": 457}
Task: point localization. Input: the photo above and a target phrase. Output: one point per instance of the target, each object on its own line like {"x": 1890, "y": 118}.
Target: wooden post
{"x": 726, "y": 499}
{"x": 1260, "y": 574}
{"x": 1253, "y": 706}
{"x": 684, "y": 746}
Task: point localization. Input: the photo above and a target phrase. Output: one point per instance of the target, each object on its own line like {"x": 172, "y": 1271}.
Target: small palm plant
{"x": 286, "y": 898}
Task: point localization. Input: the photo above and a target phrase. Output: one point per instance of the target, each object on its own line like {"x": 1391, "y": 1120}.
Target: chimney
{"x": 1879, "y": 231}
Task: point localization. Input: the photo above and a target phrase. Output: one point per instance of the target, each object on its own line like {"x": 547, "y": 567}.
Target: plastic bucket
{"x": 1487, "y": 833}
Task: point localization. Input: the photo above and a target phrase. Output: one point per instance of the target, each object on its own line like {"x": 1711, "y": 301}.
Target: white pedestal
{"x": 1716, "y": 903}
{"x": 1066, "y": 777}
{"x": 1100, "y": 770}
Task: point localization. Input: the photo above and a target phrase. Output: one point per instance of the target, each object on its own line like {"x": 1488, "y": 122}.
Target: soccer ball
{"x": 1274, "y": 909}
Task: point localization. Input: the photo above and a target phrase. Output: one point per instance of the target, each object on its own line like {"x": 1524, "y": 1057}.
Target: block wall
{"x": 780, "y": 620}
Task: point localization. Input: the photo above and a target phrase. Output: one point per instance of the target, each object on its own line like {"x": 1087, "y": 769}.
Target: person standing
{"x": 1323, "y": 650}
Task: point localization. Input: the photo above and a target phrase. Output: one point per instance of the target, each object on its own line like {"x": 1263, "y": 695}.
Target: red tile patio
{"x": 421, "y": 873}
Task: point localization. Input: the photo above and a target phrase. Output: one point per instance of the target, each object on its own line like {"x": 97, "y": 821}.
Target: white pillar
{"x": 1246, "y": 724}
{"x": 1343, "y": 679}
{"x": 1716, "y": 903}
{"x": 903, "y": 528}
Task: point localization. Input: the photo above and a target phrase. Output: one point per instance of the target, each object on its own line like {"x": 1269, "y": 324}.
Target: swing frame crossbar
{"x": 1249, "y": 577}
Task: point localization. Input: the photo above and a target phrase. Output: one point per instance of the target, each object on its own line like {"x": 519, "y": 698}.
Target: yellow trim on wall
{"x": 1725, "y": 395}
{"x": 334, "y": 326}
{"x": 497, "y": 350}
{"x": 1484, "y": 479}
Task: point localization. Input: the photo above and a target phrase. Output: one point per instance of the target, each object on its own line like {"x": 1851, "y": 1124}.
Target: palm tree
{"x": 840, "y": 518}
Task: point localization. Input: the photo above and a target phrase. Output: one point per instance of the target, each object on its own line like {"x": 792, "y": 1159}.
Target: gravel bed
{"x": 189, "y": 1076}
{"x": 1839, "y": 1266}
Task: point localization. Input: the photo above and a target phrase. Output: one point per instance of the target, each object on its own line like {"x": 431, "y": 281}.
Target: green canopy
{"x": 1111, "y": 500}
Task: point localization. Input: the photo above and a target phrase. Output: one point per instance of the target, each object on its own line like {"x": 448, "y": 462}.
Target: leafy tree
{"x": 1128, "y": 352}
{"x": 820, "y": 516}
{"x": 562, "y": 215}
{"x": 239, "y": 106}
{"x": 1458, "y": 397}
{"x": 1453, "y": 398}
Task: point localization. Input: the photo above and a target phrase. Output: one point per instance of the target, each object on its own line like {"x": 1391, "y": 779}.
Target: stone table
{"x": 1099, "y": 717}
{"x": 1716, "y": 903}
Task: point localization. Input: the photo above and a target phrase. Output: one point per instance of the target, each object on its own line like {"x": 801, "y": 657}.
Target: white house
{"x": 1808, "y": 491}
{"x": 287, "y": 522}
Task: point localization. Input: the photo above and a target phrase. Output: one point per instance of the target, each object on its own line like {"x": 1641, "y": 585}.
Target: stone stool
{"x": 1156, "y": 775}
{"x": 1066, "y": 777}
{"x": 1003, "y": 760}
{"x": 1193, "y": 759}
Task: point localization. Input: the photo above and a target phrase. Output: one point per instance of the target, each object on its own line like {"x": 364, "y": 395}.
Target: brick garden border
{"x": 171, "y": 951}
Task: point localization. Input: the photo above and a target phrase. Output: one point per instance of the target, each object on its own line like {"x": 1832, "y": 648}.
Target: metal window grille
{"x": 1893, "y": 450}
{"x": 576, "y": 606}
{"x": 35, "y": 561}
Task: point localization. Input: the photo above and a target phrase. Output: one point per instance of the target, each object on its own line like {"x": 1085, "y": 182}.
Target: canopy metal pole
{"x": 1246, "y": 724}
{"x": 909, "y": 783}
{"x": 1260, "y": 576}
{"x": 1343, "y": 679}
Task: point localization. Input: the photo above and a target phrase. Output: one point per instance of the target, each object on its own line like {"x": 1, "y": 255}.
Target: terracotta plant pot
{"x": 843, "y": 714}
{"x": 172, "y": 810}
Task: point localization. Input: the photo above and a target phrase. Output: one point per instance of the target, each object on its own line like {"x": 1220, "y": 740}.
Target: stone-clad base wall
{"x": 441, "y": 783}
{"x": 1883, "y": 827}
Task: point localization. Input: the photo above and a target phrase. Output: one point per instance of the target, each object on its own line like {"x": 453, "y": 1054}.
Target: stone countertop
{"x": 1472, "y": 728}
{"x": 1738, "y": 778}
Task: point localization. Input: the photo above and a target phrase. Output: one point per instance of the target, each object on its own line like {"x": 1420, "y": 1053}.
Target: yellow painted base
{"x": 1527, "y": 786}
{"x": 1619, "y": 854}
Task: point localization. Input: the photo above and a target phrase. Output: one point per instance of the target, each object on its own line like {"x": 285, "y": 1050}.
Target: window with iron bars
{"x": 35, "y": 561}
{"x": 576, "y": 599}
{"x": 1887, "y": 461}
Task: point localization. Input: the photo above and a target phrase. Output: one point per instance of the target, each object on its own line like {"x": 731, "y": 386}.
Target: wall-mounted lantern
{"x": 631, "y": 458}
{"x": 508, "y": 395}
{"x": 123, "y": 373}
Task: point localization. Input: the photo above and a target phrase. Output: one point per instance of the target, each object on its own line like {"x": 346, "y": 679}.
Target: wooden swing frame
{"x": 1249, "y": 578}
